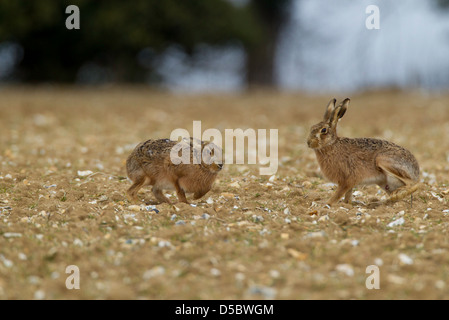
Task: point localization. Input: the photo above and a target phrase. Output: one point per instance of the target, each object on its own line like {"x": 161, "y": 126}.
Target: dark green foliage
{"x": 114, "y": 31}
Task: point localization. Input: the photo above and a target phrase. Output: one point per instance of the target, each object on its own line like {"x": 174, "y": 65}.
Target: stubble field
{"x": 250, "y": 237}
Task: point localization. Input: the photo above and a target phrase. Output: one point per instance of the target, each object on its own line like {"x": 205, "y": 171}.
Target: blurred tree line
{"x": 443, "y": 3}
{"x": 113, "y": 32}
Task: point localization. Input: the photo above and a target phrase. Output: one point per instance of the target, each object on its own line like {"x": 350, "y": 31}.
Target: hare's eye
{"x": 324, "y": 130}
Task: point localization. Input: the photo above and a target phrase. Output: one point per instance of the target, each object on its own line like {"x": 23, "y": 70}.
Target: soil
{"x": 63, "y": 203}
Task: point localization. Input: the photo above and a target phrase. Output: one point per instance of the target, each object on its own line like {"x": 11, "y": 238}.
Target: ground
{"x": 63, "y": 203}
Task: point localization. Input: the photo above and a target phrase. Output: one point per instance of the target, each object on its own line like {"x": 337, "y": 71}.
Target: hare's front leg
{"x": 348, "y": 196}
{"x": 180, "y": 193}
{"x": 159, "y": 195}
{"x": 342, "y": 189}
{"x": 199, "y": 194}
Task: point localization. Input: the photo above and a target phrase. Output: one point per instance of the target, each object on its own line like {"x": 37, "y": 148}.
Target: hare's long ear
{"x": 329, "y": 109}
{"x": 339, "y": 111}
{"x": 343, "y": 107}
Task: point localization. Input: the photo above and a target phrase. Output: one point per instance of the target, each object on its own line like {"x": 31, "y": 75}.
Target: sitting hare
{"x": 361, "y": 161}
{"x": 152, "y": 163}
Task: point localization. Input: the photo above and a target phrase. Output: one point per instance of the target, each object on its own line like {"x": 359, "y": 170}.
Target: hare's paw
{"x": 375, "y": 204}
{"x": 357, "y": 203}
{"x": 132, "y": 198}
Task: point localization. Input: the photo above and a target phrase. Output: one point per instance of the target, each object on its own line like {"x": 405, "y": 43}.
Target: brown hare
{"x": 361, "y": 161}
{"x": 150, "y": 163}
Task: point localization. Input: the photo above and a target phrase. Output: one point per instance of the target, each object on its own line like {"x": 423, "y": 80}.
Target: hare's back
{"x": 152, "y": 149}
{"x": 369, "y": 144}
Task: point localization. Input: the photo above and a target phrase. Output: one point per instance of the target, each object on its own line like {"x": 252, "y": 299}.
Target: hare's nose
{"x": 220, "y": 165}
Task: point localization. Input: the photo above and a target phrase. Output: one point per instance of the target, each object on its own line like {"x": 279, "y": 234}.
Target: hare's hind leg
{"x": 399, "y": 183}
{"x": 403, "y": 192}
{"x": 132, "y": 191}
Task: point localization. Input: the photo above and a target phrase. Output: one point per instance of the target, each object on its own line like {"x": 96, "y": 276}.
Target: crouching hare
{"x": 151, "y": 163}
{"x": 361, "y": 161}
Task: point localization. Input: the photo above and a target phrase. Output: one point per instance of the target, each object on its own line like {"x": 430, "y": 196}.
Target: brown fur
{"x": 150, "y": 164}
{"x": 351, "y": 162}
